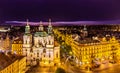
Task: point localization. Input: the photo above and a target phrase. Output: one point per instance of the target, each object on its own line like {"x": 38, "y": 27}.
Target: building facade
{"x": 12, "y": 65}
{"x": 97, "y": 52}
{"x": 39, "y": 47}
{"x": 17, "y": 47}
{"x": 90, "y": 52}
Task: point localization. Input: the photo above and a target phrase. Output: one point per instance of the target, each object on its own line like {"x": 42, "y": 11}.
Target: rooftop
{"x": 4, "y": 61}
{"x": 17, "y": 41}
{"x": 88, "y": 40}
{"x": 7, "y": 59}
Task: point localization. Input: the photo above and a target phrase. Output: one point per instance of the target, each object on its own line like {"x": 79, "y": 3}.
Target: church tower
{"x": 85, "y": 32}
{"x": 7, "y": 42}
{"x": 41, "y": 28}
{"x": 27, "y": 39}
{"x": 27, "y": 42}
{"x": 50, "y": 39}
{"x": 27, "y": 28}
{"x": 50, "y": 29}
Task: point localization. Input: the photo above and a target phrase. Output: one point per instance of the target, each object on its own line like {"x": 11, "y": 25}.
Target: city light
{"x": 46, "y": 47}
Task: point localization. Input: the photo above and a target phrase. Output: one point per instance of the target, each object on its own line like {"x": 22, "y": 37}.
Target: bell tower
{"x": 27, "y": 43}
{"x": 50, "y": 29}
{"x": 85, "y": 32}
{"x": 27, "y": 28}
{"x": 41, "y": 28}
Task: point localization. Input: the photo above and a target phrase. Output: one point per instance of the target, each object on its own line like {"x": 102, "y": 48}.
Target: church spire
{"x": 40, "y": 23}
{"x": 49, "y": 24}
{"x": 85, "y": 28}
{"x": 27, "y": 22}
{"x": 49, "y": 27}
{"x": 85, "y": 32}
{"x": 41, "y": 28}
{"x": 27, "y": 28}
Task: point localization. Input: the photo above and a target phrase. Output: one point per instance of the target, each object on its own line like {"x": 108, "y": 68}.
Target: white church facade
{"x": 40, "y": 47}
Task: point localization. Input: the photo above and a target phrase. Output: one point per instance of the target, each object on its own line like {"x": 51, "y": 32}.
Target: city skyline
{"x": 65, "y": 36}
{"x": 73, "y": 49}
{"x": 62, "y": 23}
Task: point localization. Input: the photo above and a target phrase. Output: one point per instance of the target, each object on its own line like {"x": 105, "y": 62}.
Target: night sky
{"x": 59, "y": 10}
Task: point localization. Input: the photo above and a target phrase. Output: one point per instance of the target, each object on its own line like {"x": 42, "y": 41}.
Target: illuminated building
{"x": 17, "y": 46}
{"x": 91, "y": 51}
{"x": 5, "y": 43}
{"x": 88, "y": 52}
{"x": 43, "y": 50}
{"x": 12, "y": 63}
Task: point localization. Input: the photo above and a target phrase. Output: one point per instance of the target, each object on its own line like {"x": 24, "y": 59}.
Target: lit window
{"x": 57, "y": 54}
{"x": 37, "y": 54}
{"x": 49, "y": 55}
{"x": 49, "y": 61}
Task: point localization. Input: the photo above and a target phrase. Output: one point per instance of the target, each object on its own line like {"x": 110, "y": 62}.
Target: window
{"x": 57, "y": 54}
{"x": 26, "y": 42}
{"x": 49, "y": 55}
{"x": 49, "y": 42}
{"x": 49, "y": 61}
{"x": 37, "y": 54}
{"x": 44, "y": 51}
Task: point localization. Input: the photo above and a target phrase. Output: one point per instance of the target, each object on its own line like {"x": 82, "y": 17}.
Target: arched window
{"x": 49, "y": 55}
{"x": 37, "y": 54}
{"x": 26, "y": 42}
{"x": 57, "y": 54}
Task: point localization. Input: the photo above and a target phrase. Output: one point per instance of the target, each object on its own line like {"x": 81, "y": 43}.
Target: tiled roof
{"x": 88, "y": 40}
{"x": 17, "y": 41}
{"x": 4, "y": 61}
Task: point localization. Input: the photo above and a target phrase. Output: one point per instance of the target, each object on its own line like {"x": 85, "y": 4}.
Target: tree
{"x": 60, "y": 70}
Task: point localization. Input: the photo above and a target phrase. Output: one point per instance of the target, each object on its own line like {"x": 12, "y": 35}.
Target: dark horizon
{"x": 63, "y": 10}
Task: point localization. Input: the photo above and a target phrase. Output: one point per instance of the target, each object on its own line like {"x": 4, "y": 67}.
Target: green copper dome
{"x": 41, "y": 34}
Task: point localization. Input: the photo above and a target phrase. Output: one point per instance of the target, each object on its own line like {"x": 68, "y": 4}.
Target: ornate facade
{"x": 40, "y": 48}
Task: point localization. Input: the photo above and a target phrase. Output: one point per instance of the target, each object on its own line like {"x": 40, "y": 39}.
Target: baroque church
{"x": 40, "y": 48}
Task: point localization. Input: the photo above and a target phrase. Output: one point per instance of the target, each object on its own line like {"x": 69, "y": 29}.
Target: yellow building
{"x": 12, "y": 63}
{"x": 90, "y": 51}
{"x": 17, "y": 46}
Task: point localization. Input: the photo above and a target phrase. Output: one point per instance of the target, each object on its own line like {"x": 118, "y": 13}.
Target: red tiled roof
{"x": 4, "y": 61}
